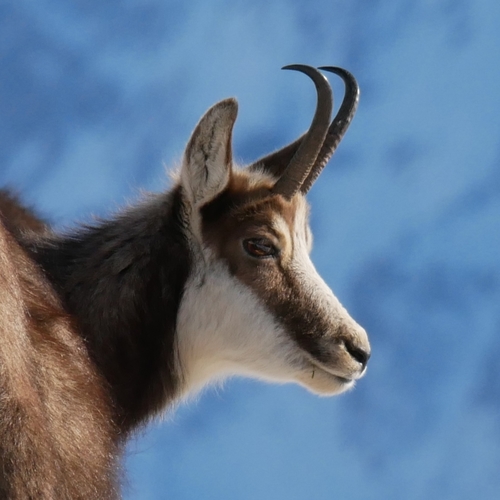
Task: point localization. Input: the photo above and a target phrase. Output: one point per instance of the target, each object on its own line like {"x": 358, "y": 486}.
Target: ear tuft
{"x": 207, "y": 164}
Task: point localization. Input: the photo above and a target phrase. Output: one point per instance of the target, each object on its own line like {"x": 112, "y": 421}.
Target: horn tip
{"x": 297, "y": 67}
{"x": 343, "y": 73}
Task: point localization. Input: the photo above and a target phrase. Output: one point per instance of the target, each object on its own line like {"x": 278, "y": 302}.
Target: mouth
{"x": 327, "y": 379}
{"x": 342, "y": 370}
{"x": 337, "y": 378}
{"x": 328, "y": 372}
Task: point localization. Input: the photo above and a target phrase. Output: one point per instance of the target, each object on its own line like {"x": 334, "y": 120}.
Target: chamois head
{"x": 254, "y": 303}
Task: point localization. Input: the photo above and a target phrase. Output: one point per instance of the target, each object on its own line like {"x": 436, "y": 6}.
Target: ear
{"x": 206, "y": 168}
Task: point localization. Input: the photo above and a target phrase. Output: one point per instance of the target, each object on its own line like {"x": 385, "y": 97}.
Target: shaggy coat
{"x": 57, "y": 438}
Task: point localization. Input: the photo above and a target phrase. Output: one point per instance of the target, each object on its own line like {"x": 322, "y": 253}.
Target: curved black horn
{"x": 305, "y": 157}
{"x": 339, "y": 125}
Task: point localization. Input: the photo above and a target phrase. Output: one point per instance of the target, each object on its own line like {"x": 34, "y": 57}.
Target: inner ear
{"x": 207, "y": 164}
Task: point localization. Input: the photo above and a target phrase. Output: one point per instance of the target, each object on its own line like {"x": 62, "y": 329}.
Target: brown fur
{"x": 122, "y": 280}
{"x": 56, "y": 438}
{"x": 73, "y": 386}
{"x": 17, "y": 217}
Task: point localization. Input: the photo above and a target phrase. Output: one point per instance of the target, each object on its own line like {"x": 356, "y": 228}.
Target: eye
{"x": 260, "y": 248}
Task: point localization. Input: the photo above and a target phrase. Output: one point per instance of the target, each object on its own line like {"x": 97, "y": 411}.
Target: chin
{"x": 325, "y": 384}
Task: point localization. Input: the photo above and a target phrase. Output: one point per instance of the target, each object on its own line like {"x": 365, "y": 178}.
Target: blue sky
{"x": 98, "y": 100}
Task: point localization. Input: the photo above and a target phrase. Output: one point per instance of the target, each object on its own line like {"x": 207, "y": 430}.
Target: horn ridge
{"x": 339, "y": 125}
{"x": 311, "y": 144}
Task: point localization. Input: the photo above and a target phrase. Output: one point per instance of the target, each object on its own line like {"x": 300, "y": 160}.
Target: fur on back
{"x": 56, "y": 438}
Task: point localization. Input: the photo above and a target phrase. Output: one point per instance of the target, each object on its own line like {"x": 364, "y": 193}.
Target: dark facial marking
{"x": 237, "y": 216}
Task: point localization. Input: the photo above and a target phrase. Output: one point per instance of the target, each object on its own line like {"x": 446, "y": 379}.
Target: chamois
{"x": 105, "y": 326}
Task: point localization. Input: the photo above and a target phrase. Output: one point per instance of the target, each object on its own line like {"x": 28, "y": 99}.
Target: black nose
{"x": 360, "y": 355}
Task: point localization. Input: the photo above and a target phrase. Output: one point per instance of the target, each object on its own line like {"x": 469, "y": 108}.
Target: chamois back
{"x": 56, "y": 437}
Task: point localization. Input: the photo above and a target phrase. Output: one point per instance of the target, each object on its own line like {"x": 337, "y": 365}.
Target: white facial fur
{"x": 223, "y": 330}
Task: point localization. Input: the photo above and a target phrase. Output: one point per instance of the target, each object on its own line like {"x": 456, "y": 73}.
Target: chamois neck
{"x": 123, "y": 281}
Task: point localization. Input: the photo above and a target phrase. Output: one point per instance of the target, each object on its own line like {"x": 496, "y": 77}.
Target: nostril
{"x": 360, "y": 355}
